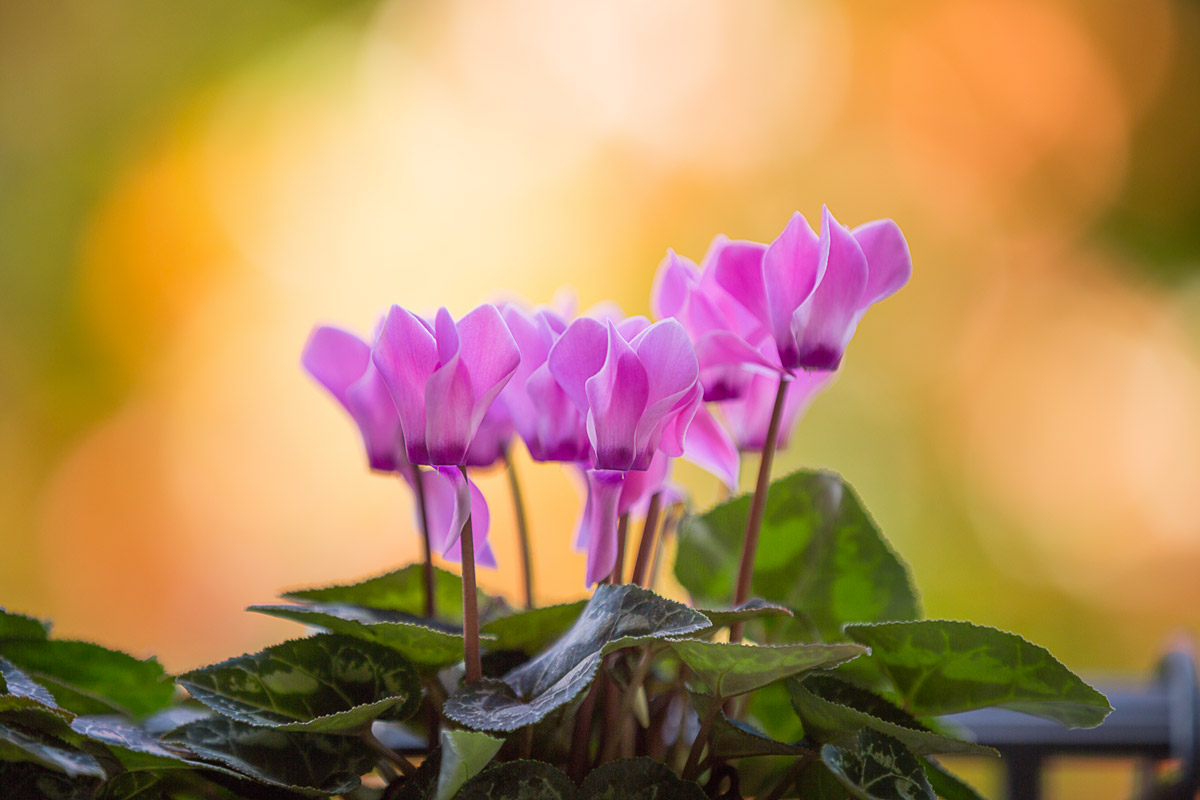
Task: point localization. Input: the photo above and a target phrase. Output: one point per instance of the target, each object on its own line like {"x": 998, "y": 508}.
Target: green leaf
{"x": 947, "y": 785}
{"x": 325, "y": 683}
{"x": 19, "y": 626}
{"x": 89, "y": 679}
{"x": 729, "y": 738}
{"x": 819, "y": 554}
{"x": 836, "y": 712}
{"x": 428, "y": 649}
{"x": 464, "y": 755}
{"x": 615, "y": 617}
{"x": 17, "y": 684}
{"x": 754, "y": 608}
{"x": 21, "y": 744}
{"x": 816, "y": 782}
{"x": 732, "y": 669}
{"x": 941, "y": 667}
{"x": 401, "y": 590}
{"x": 519, "y": 780}
{"x": 879, "y": 768}
{"x": 531, "y": 631}
{"x": 325, "y": 763}
{"x": 638, "y": 779}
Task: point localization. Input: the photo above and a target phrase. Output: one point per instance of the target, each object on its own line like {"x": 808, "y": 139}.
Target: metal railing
{"x": 1155, "y": 723}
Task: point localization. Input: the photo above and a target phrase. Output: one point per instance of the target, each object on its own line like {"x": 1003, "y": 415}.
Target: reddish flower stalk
{"x": 646, "y": 545}
{"x": 514, "y": 486}
{"x": 758, "y": 506}
{"x": 470, "y": 602}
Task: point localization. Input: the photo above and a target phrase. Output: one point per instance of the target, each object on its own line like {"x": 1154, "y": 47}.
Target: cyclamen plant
{"x": 808, "y": 673}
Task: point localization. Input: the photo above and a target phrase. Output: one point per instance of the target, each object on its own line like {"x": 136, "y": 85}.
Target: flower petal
{"x": 480, "y": 527}
{"x": 889, "y": 264}
{"x": 406, "y": 355}
{"x": 738, "y": 269}
{"x": 598, "y": 527}
{"x": 824, "y": 324}
{"x": 709, "y": 446}
{"x": 449, "y": 405}
{"x": 748, "y": 417}
{"x": 617, "y": 396}
{"x": 559, "y": 432}
{"x": 640, "y": 485}
{"x": 791, "y": 268}
{"x": 672, "y": 286}
{"x": 372, "y": 408}
{"x": 578, "y": 355}
{"x": 336, "y": 359}
{"x": 490, "y": 354}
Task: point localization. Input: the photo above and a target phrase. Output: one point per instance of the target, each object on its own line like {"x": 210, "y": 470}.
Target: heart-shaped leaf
{"x": 945, "y": 784}
{"x": 732, "y": 669}
{"x": 325, "y": 683}
{"x": 18, "y": 684}
{"x": 89, "y": 679}
{"x": 878, "y": 768}
{"x": 400, "y": 590}
{"x": 836, "y": 712}
{"x": 942, "y": 667}
{"x": 615, "y": 617}
{"x": 19, "y": 626}
{"x": 819, "y": 554}
{"x": 21, "y": 744}
{"x": 754, "y": 608}
{"x": 427, "y": 648}
{"x": 321, "y": 762}
{"x": 464, "y": 755}
{"x": 729, "y": 738}
{"x": 530, "y": 631}
{"x": 519, "y": 780}
{"x": 638, "y": 779}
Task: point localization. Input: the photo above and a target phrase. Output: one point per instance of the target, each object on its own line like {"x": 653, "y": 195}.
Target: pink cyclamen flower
{"x": 636, "y": 385}
{"x": 809, "y": 291}
{"x": 544, "y": 415}
{"x": 341, "y": 362}
{"x": 444, "y": 377}
{"x": 492, "y": 439}
{"x": 748, "y": 417}
{"x": 636, "y": 394}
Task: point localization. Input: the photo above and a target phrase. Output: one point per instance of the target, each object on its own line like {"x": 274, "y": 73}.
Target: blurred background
{"x": 186, "y": 188}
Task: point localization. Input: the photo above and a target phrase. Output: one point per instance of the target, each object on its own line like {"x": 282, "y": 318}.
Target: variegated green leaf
{"x": 464, "y": 755}
{"x": 638, "y": 779}
{"x": 732, "y": 669}
{"x": 615, "y": 617}
{"x": 531, "y": 631}
{"x": 427, "y": 648}
{"x": 878, "y": 768}
{"x": 325, "y": 683}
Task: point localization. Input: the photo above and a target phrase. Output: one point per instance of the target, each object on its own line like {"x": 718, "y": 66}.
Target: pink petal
{"x": 824, "y": 324}
{"x": 639, "y": 485}
{"x": 406, "y": 355}
{"x": 372, "y": 408}
{"x": 449, "y": 405}
{"x": 728, "y": 349}
{"x": 738, "y": 269}
{"x": 491, "y": 440}
{"x": 889, "y": 265}
{"x": 578, "y": 355}
{"x": 672, "y": 285}
{"x": 791, "y": 267}
{"x": 749, "y": 416}
{"x": 446, "y": 335}
{"x": 617, "y": 396}
{"x": 480, "y": 526}
{"x": 709, "y": 446}
{"x": 672, "y": 429}
{"x": 490, "y": 354}
{"x": 336, "y": 358}
{"x": 559, "y": 432}
{"x": 599, "y": 525}
{"x": 446, "y": 505}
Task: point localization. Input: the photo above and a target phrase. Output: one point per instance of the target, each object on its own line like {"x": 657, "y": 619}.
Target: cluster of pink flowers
{"x": 617, "y": 397}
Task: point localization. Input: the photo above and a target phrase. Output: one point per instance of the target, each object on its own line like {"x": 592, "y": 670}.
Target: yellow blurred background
{"x": 186, "y": 188}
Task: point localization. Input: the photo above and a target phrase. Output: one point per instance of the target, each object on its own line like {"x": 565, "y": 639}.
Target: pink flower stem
{"x": 758, "y": 506}
{"x": 646, "y": 545}
{"x": 419, "y": 491}
{"x": 514, "y": 486}
{"x": 470, "y": 602}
